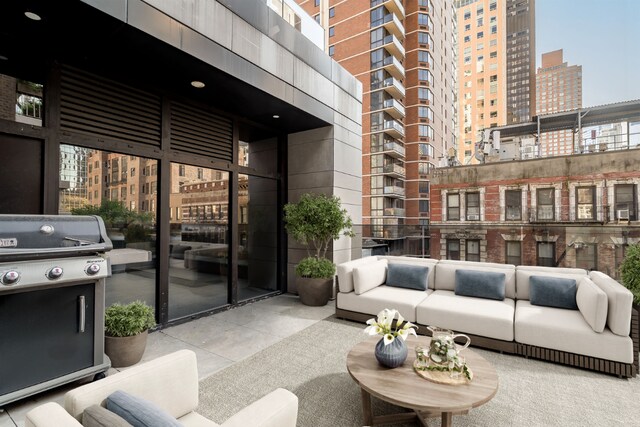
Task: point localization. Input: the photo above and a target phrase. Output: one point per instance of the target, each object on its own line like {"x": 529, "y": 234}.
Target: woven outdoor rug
{"x": 312, "y": 364}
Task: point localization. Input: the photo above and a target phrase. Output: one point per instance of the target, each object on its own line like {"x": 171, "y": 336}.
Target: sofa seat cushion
{"x": 567, "y": 330}
{"x": 376, "y": 300}
{"x": 478, "y": 316}
{"x": 194, "y": 419}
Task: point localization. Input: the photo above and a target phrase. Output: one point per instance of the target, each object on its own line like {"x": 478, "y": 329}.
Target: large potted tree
{"x": 315, "y": 221}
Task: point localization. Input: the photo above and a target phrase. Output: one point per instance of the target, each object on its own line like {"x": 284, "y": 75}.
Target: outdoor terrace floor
{"x": 218, "y": 340}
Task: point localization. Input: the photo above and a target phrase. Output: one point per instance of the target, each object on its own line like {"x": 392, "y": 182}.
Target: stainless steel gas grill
{"x": 52, "y": 285}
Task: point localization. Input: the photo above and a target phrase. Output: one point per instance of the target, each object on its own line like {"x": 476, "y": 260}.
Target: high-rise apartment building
{"x": 496, "y": 63}
{"x": 558, "y": 88}
{"x": 405, "y": 58}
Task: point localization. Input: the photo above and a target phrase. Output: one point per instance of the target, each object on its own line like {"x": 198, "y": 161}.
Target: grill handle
{"x": 83, "y": 317}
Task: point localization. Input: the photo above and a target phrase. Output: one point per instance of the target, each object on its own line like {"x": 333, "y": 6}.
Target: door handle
{"x": 83, "y": 316}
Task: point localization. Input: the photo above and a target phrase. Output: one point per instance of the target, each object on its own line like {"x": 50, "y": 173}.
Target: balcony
{"x": 393, "y": 25}
{"x": 394, "y": 128}
{"x": 394, "y": 6}
{"x": 393, "y": 211}
{"x": 394, "y": 191}
{"x": 394, "y": 87}
{"x": 395, "y": 170}
{"x": 394, "y": 108}
{"x": 393, "y": 149}
{"x": 393, "y": 46}
{"x": 393, "y": 67}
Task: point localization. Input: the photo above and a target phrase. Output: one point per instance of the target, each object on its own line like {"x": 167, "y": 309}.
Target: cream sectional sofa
{"x": 599, "y": 333}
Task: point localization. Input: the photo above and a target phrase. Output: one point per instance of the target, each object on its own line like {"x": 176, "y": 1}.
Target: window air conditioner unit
{"x": 623, "y": 214}
{"x": 473, "y": 217}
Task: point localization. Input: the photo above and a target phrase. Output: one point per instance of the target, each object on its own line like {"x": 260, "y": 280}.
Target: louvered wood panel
{"x": 95, "y": 106}
{"x": 197, "y": 131}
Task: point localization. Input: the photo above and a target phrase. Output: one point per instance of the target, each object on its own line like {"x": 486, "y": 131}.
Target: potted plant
{"x": 630, "y": 272}
{"x": 126, "y": 328}
{"x": 315, "y": 221}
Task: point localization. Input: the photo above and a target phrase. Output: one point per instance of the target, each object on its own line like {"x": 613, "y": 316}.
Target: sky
{"x": 601, "y": 35}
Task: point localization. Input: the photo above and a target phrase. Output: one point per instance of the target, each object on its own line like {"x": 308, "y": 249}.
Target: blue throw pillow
{"x": 139, "y": 412}
{"x": 480, "y": 284}
{"x": 553, "y": 292}
{"x": 408, "y": 276}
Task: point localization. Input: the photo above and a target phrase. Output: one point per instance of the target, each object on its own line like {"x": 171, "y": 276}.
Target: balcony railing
{"x": 394, "y": 128}
{"x": 393, "y": 25}
{"x": 394, "y": 108}
{"x": 394, "y": 87}
{"x": 393, "y": 191}
{"x": 394, "y": 170}
{"x": 393, "y": 67}
{"x": 393, "y": 211}
{"x": 394, "y": 6}
{"x": 393, "y": 45}
{"x": 394, "y": 149}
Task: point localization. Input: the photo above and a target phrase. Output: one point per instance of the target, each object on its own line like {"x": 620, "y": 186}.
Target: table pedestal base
{"x": 421, "y": 416}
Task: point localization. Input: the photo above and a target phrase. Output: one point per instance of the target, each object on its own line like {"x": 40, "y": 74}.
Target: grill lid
{"x": 46, "y": 236}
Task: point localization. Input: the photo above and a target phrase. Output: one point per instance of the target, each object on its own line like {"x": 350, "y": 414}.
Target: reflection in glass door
{"x": 198, "y": 246}
{"x": 258, "y": 236}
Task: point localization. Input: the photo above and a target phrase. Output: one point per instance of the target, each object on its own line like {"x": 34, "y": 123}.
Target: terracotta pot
{"x": 125, "y": 351}
{"x": 314, "y": 292}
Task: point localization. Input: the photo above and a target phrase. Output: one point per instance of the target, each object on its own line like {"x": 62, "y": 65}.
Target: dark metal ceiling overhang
{"x": 77, "y": 34}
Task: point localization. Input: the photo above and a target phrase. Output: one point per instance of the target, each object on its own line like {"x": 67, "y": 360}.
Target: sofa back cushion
{"x": 345, "y": 272}
{"x": 619, "y": 301}
{"x": 369, "y": 276}
{"x": 428, "y": 262}
{"x": 446, "y": 274}
{"x": 592, "y": 303}
{"x": 408, "y": 276}
{"x": 523, "y": 276}
{"x": 553, "y": 292}
{"x": 480, "y": 284}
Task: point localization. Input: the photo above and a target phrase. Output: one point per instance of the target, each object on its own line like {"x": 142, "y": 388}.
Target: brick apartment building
{"x": 403, "y": 53}
{"x": 568, "y": 211}
{"x": 558, "y": 88}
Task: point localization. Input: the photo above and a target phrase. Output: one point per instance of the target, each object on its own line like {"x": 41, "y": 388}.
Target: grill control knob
{"x": 10, "y": 277}
{"x": 93, "y": 269}
{"x": 54, "y": 273}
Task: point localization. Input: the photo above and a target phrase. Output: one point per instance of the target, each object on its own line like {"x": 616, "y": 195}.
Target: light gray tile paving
{"x": 281, "y": 325}
{"x": 239, "y": 342}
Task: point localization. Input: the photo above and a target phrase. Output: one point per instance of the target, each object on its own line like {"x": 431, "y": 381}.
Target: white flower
{"x": 404, "y": 333}
{"x": 388, "y": 339}
{"x": 373, "y": 330}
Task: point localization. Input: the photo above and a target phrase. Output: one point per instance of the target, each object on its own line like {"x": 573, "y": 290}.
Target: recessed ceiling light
{"x": 275, "y": 116}
{"x": 33, "y": 16}
{"x": 197, "y": 83}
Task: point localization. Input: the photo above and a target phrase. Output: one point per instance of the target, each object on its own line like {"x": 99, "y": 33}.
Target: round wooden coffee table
{"x": 403, "y": 387}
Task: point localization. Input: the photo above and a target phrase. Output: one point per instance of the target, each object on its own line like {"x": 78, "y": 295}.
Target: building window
{"x": 493, "y": 5}
{"x": 425, "y": 94}
{"x": 625, "y": 203}
{"x": 480, "y": 35}
{"x": 332, "y": 50}
{"x": 467, "y": 15}
{"x": 546, "y": 254}
{"x": 467, "y": 39}
{"x": 425, "y": 131}
{"x": 473, "y": 206}
{"x": 200, "y": 173}
{"x": 332, "y": 12}
{"x": 514, "y": 252}
{"x": 423, "y": 187}
{"x": 453, "y": 249}
{"x": 493, "y": 54}
{"x": 181, "y": 171}
{"x": 423, "y": 19}
{"x": 545, "y": 207}
{"x": 586, "y": 256}
{"x": 423, "y": 206}
{"x": 453, "y": 207}
{"x": 472, "y": 250}
{"x": 467, "y": 27}
{"x": 317, "y": 3}
{"x": 332, "y": 31}
{"x": 317, "y": 18}
{"x": 586, "y": 203}
{"x": 513, "y": 205}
